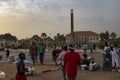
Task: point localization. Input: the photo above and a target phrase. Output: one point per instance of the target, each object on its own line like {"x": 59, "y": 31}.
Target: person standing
{"x": 32, "y": 52}
{"x": 91, "y": 47}
{"x": 60, "y": 57}
{"x": 85, "y": 48}
{"x": 55, "y": 53}
{"x": 107, "y": 48}
{"x": 115, "y": 58}
{"x": 36, "y": 53}
{"x": 21, "y": 68}
{"x": 71, "y": 60}
{"x": 41, "y": 52}
{"x": 94, "y": 47}
{"x": 7, "y": 52}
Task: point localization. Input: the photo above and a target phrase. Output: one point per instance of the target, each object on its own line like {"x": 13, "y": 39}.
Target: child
{"x": 88, "y": 63}
{"x": 21, "y": 68}
{"x": 93, "y": 66}
{"x": 115, "y": 58}
{"x": 85, "y": 62}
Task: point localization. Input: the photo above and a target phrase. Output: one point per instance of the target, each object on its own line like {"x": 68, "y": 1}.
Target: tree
{"x": 36, "y": 37}
{"x": 49, "y": 39}
{"x": 8, "y": 37}
{"x": 113, "y": 35}
{"x": 102, "y": 36}
{"x": 106, "y": 35}
{"x": 59, "y": 39}
{"x": 43, "y": 35}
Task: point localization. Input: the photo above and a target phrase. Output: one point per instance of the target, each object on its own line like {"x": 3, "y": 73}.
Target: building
{"x": 83, "y": 36}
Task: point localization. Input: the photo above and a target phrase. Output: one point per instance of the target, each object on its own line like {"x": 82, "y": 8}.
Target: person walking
{"x": 71, "y": 60}
{"x": 60, "y": 57}
{"x": 41, "y": 52}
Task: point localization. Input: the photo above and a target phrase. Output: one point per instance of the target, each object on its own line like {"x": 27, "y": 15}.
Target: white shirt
{"x": 85, "y": 46}
{"x": 61, "y": 56}
{"x": 114, "y": 53}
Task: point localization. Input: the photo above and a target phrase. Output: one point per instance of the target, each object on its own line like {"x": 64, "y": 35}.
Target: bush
{"x": 115, "y": 41}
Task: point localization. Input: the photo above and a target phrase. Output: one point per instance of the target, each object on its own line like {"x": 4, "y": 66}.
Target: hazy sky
{"x": 24, "y": 18}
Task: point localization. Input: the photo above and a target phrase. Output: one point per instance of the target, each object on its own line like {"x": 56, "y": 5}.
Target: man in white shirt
{"x": 60, "y": 57}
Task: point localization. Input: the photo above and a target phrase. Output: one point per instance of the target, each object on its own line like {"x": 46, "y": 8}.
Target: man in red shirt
{"x": 71, "y": 60}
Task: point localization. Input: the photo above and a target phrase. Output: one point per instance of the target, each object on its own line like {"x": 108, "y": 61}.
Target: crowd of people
{"x": 86, "y": 62}
{"x": 69, "y": 59}
{"x": 111, "y": 54}
{"x": 91, "y": 46}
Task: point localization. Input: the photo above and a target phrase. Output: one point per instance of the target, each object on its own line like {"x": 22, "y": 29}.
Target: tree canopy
{"x": 8, "y": 37}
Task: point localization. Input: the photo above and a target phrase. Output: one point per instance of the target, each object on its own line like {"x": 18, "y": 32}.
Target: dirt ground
{"x": 10, "y": 70}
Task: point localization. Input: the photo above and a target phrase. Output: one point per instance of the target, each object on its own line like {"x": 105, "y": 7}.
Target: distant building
{"x": 83, "y": 36}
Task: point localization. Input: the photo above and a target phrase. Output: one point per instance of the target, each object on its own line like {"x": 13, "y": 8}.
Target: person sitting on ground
{"x": 88, "y": 63}
{"x": 93, "y": 66}
{"x": 85, "y": 62}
